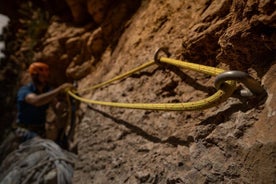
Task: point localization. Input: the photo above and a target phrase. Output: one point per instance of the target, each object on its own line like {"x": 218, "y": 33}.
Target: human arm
{"x": 44, "y": 98}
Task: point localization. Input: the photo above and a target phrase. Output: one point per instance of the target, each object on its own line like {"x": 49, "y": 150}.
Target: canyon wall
{"x": 94, "y": 41}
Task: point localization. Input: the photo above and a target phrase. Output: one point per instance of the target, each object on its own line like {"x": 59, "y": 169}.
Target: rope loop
{"x": 225, "y": 84}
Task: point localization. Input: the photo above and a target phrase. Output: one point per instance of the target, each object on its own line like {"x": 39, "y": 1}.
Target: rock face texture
{"x": 234, "y": 142}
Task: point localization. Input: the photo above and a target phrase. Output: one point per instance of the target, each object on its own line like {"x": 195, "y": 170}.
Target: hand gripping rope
{"x": 225, "y": 83}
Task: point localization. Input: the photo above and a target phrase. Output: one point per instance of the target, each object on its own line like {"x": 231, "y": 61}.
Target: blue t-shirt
{"x": 27, "y": 113}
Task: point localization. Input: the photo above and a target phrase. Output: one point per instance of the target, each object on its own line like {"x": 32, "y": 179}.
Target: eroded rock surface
{"x": 231, "y": 143}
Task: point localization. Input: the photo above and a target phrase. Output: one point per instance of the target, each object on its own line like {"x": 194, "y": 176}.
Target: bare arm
{"x": 44, "y": 98}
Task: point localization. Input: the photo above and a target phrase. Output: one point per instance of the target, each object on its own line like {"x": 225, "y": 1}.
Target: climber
{"x": 33, "y": 101}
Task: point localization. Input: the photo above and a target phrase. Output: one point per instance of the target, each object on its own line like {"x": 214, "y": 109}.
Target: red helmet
{"x": 40, "y": 69}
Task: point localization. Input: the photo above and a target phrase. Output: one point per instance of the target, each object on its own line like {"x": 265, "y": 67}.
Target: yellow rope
{"x": 220, "y": 96}
{"x": 141, "y": 67}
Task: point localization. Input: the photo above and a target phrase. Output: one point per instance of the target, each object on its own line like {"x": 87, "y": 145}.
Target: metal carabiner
{"x": 254, "y": 86}
{"x": 157, "y": 52}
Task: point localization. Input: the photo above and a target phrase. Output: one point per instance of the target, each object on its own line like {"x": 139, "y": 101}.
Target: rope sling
{"x": 225, "y": 84}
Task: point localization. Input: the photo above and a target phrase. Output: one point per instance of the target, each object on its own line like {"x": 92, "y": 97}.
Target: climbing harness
{"x": 225, "y": 84}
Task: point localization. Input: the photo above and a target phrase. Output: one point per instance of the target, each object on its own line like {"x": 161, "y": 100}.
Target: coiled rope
{"x": 223, "y": 93}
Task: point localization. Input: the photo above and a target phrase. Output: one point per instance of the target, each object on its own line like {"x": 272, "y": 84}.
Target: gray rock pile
{"x": 38, "y": 161}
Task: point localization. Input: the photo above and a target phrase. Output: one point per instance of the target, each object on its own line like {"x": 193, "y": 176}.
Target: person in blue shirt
{"x": 33, "y": 101}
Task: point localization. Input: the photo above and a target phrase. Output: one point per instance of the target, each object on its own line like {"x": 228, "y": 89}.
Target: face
{"x": 43, "y": 75}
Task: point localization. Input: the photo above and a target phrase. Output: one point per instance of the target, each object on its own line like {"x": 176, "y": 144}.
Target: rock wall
{"x": 239, "y": 33}
{"x": 231, "y": 143}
